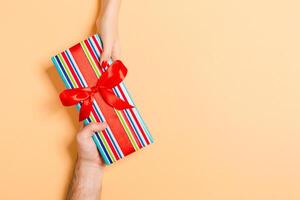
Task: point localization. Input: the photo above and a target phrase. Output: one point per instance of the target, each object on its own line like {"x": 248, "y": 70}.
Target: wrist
{"x": 110, "y": 8}
{"x": 89, "y": 174}
{"x": 86, "y": 182}
{"x": 92, "y": 166}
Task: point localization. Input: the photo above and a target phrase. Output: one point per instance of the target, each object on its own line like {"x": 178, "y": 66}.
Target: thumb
{"x": 90, "y": 129}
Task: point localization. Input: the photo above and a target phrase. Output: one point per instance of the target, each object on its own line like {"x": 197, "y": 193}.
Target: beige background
{"x": 216, "y": 81}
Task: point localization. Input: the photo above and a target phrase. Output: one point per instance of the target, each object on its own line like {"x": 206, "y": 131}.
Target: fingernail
{"x": 103, "y": 63}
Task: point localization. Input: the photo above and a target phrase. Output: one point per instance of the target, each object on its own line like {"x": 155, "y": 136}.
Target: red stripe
{"x": 108, "y": 112}
{"x": 122, "y": 112}
{"x": 93, "y": 111}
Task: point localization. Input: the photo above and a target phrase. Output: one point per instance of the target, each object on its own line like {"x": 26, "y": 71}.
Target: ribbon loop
{"x": 112, "y": 77}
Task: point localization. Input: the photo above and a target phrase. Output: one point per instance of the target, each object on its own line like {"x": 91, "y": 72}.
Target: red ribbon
{"x": 112, "y": 77}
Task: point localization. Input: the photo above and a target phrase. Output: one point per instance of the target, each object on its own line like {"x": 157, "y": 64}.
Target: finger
{"x": 90, "y": 129}
{"x": 106, "y": 54}
{"x": 116, "y": 51}
{"x": 104, "y": 58}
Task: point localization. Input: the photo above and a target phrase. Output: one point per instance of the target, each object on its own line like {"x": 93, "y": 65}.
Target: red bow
{"x": 112, "y": 77}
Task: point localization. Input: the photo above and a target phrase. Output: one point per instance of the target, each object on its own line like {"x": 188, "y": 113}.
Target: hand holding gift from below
{"x": 88, "y": 173}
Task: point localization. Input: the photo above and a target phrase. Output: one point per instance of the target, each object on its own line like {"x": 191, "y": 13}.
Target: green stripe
{"x": 87, "y": 53}
{"x": 127, "y": 130}
{"x": 97, "y": 71}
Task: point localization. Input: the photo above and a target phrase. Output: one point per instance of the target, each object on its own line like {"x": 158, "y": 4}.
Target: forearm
{"x": 110, "y": 8}
{"x": 107, "y": 27}
{"x": 86, "y": 182}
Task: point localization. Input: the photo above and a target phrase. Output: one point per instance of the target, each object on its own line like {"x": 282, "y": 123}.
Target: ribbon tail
{"x": 111, "y": 99}
{"x": 86, "y": 108}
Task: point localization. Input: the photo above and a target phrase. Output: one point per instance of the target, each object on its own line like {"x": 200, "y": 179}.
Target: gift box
{"x": 126, "y": 132}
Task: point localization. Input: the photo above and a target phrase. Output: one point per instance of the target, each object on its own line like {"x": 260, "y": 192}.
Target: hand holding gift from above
{"x": 107, "y": 27}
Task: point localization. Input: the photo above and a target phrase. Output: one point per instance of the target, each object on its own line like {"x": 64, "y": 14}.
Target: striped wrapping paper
{"x": 79, "y": 66}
